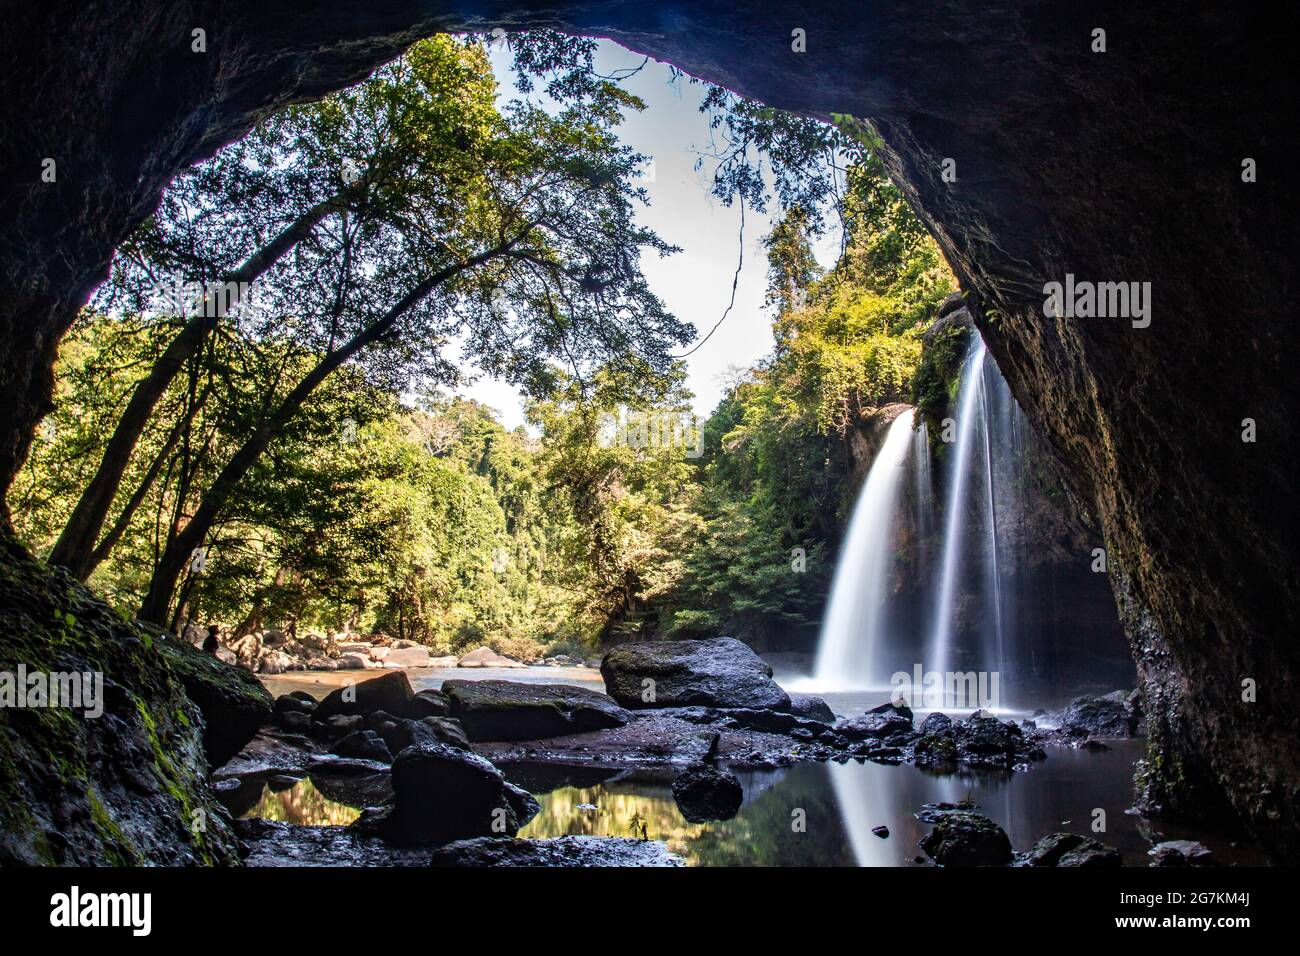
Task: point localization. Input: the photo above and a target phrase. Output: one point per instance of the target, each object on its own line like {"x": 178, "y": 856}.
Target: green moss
{"x": 49, "y": 782}
{"x": 938, "y": 377}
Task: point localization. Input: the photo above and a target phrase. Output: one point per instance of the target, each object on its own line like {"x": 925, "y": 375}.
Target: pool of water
{"x": 808, "y": 814}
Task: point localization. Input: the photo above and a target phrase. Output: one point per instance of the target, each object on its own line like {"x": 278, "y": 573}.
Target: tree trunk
{"x": 75, "y": 547}
{"x": 182, "y": 545}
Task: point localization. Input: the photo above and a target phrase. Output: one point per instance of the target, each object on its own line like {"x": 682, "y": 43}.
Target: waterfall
{"x": 959, "y": 468}
{"x": 992, "y": 566}
{"x": 852, "y": 637}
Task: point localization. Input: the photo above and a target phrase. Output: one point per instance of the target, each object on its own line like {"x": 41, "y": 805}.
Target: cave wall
{"x": 1123, "y": 165}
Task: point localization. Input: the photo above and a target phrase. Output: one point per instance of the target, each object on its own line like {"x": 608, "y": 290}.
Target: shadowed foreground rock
{"x": 962, "y": 838}
{"x": 705, "y": 793}
{"x": 511, "y": 710}
{"x": 561, "y": 851}
{"x": 441, "y": 794}
{"x": 390, "y": 693}
{"x": 233, "y": 702}
{"x": 1071, "y": 850}
{"x": 121, "y": 788}
{"x": 721, "y": 672}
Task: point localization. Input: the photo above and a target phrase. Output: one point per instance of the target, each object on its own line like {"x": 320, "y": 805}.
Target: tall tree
{"x": 510, "y": 234}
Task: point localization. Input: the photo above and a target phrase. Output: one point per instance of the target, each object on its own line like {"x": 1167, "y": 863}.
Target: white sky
{"x": 695, "y": 284}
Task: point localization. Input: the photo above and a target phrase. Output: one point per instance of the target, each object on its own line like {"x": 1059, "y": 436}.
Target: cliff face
{"x": 1117, "y": 166}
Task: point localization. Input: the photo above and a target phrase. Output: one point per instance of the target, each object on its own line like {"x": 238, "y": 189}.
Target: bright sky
{"x": 695, "y": 283}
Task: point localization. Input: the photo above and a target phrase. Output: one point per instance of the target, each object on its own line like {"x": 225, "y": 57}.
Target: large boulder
{"x": 510, "y": 710}
{"x": 1109, "y": 716}
{"x": 962, "y": 838}
{"x": 391, "y": 693}
{"x": 400, "y": 734}
{"x": 874, "y": 726}
{"x": 486, "y": 657}
{"x": 721, "y": 672}
{"x": 704, "y": 792}
{"x": 415, "y": 656}
{"x": 117, "y": 787}
{"x": 233, "y": 702}
{"x": 811, "y": 708}
{"x": 441, "y": 794}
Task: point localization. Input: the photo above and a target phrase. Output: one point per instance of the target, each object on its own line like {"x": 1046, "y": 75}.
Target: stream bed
{"x": 808, "y": 814}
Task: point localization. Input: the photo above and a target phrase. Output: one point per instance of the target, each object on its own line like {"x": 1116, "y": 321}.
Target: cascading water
{"x": 914, "y": 592}
{"x": 954, "y": 509}
{"x": 853, "y": 629}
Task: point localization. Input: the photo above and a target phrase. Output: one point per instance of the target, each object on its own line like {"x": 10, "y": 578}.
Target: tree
{"x": 510, "y": 233}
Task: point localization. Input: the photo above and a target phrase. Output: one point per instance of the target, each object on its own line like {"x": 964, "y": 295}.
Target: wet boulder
{"x": 982, "y": 738}
{"x": 722, "y": 672}
{"x": 510, "y": 710}
{"x": 962, "y": 838}
{"x": 811, "y": 708}
{"x": 1112, "y": 715}
{"x": 1071, "y": 850}
{"x": 363, "y": 745}
{"x": 935, "y": 749}
{"x": 336, "y": 727}
{"x": 704, "y": 792}
{"x": 427, "y": 703}
{"x": 936, "y": 723}
{"x": 1181, "y": 853}
{"x": 400, "y": 734}
{"x": 233, "y": 702}
{"x": 390, "y": 693}
{"x": 898, "y": 707}
{"x": 442, "y": 793}
{"x": 874, "y": 726}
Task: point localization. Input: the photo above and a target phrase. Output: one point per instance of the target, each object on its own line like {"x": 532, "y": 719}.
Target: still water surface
{"x": 811, "y": 814}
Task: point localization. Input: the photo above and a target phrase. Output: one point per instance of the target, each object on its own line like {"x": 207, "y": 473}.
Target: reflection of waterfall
{"x": 848, "y": 654}
{"x": 954, "y": 507}
{"x": 869, "y": 795}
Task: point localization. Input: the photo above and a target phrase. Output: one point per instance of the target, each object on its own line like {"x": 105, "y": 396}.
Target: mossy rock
{"x": 233, "y": 702}
{"x": 127, "y": 787}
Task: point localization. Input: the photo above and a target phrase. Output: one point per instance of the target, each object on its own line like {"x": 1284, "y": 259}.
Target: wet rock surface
{"x": 111, "y": 790}
{"x": 1180, "y": 853}
{"x": 964, "y": 838}
{"x": 512, "y": 710}
{"x": 1070, "y": 850}
{"x": 561, "y": 851}
{"x": 233, "y": 702}
{"x": 390, "y": 693}
{"x": 722, "y": 672}
{"x": 1111, "y": 715}
{"x": 705, "y": 793}
{"x": 442, "y": 793}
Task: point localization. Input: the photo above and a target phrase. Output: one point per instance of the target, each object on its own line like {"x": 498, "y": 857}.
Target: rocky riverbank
{"x": 430, "y": 758}
{"x": 277, "y": 651}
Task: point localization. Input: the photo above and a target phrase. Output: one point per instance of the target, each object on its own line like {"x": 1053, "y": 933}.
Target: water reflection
{"x": 301, "y": 802}
{"x": 804, "y": 815}
{"x": 823, "y": 814}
